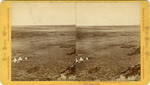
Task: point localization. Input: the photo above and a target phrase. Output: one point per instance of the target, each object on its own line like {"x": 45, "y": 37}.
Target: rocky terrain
{"x": 70, "y": 53}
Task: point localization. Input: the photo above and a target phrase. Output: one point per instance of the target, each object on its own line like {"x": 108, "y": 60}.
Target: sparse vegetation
{"x": 82, "y": 53}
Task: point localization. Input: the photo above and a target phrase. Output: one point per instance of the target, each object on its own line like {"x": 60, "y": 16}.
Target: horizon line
{"x": 75, "y": 25}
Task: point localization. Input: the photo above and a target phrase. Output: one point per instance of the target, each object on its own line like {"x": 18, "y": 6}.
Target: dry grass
{"x": 51, "y": 53}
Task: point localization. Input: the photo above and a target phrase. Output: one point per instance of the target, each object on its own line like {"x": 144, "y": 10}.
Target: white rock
{"x": 122, "y": 78}
{"x": 132, "y": 78}
{"x": 72, "y": 77}
{"x": 77, "y": 60}
{"x": 15, "y": 60}
{"x": 81, "y": 59}
{"x": 26, "y": 58}
{"x": 63, "y": 77}
{"x": 20, "y": 59}
{"x": 87, "y": 58}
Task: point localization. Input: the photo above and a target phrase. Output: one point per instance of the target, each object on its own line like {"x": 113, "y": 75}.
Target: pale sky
{"x": 42, "y": 13}
{"x": 109, "y": 13}
{"x": 71, "y": 13}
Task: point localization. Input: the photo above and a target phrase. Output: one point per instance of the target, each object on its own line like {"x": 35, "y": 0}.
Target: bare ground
{"x": 47, "y": 52}
{"x": 111, "y": 51}
{"x": 51, "y": 53}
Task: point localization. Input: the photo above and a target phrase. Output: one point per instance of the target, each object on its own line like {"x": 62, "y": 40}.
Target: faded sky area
{"x": 71, "y": 13}
{"x": 110, "y": 13}
{"x": 42, "y": 13}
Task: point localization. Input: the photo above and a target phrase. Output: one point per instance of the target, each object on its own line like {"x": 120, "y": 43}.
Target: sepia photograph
{"x": 75, "y": 41}
{"x": 43, "y": 41}
{"x": 108, "y": 36}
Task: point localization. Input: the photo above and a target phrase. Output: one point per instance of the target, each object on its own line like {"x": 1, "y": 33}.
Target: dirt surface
{"x": 50, "y": 53}
{"x": 111, "y": 50}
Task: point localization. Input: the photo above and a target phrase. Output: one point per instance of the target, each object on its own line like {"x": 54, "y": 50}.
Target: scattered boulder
{"x": 93, "y": 70}
{"x": 131, "y": 74}
{"x": 137, "y": 51}
{"x": 81, "y": 59}
{"x": 68, "y": 73}
{"x": 20, "y": 59}
{"x": 15, "y": 60}
{"x": 71, "y": 53}
{"x": 32, "y": 70}
{"x": 132, "y": 71}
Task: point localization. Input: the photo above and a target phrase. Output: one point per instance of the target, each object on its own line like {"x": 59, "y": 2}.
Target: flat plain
{"x": 49, "y": 50}
{"x": 49, "y": 53}
{"x": 113, "y": 52}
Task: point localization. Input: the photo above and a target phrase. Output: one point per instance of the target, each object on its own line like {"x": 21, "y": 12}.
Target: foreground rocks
{"x": 131, "y": 74}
